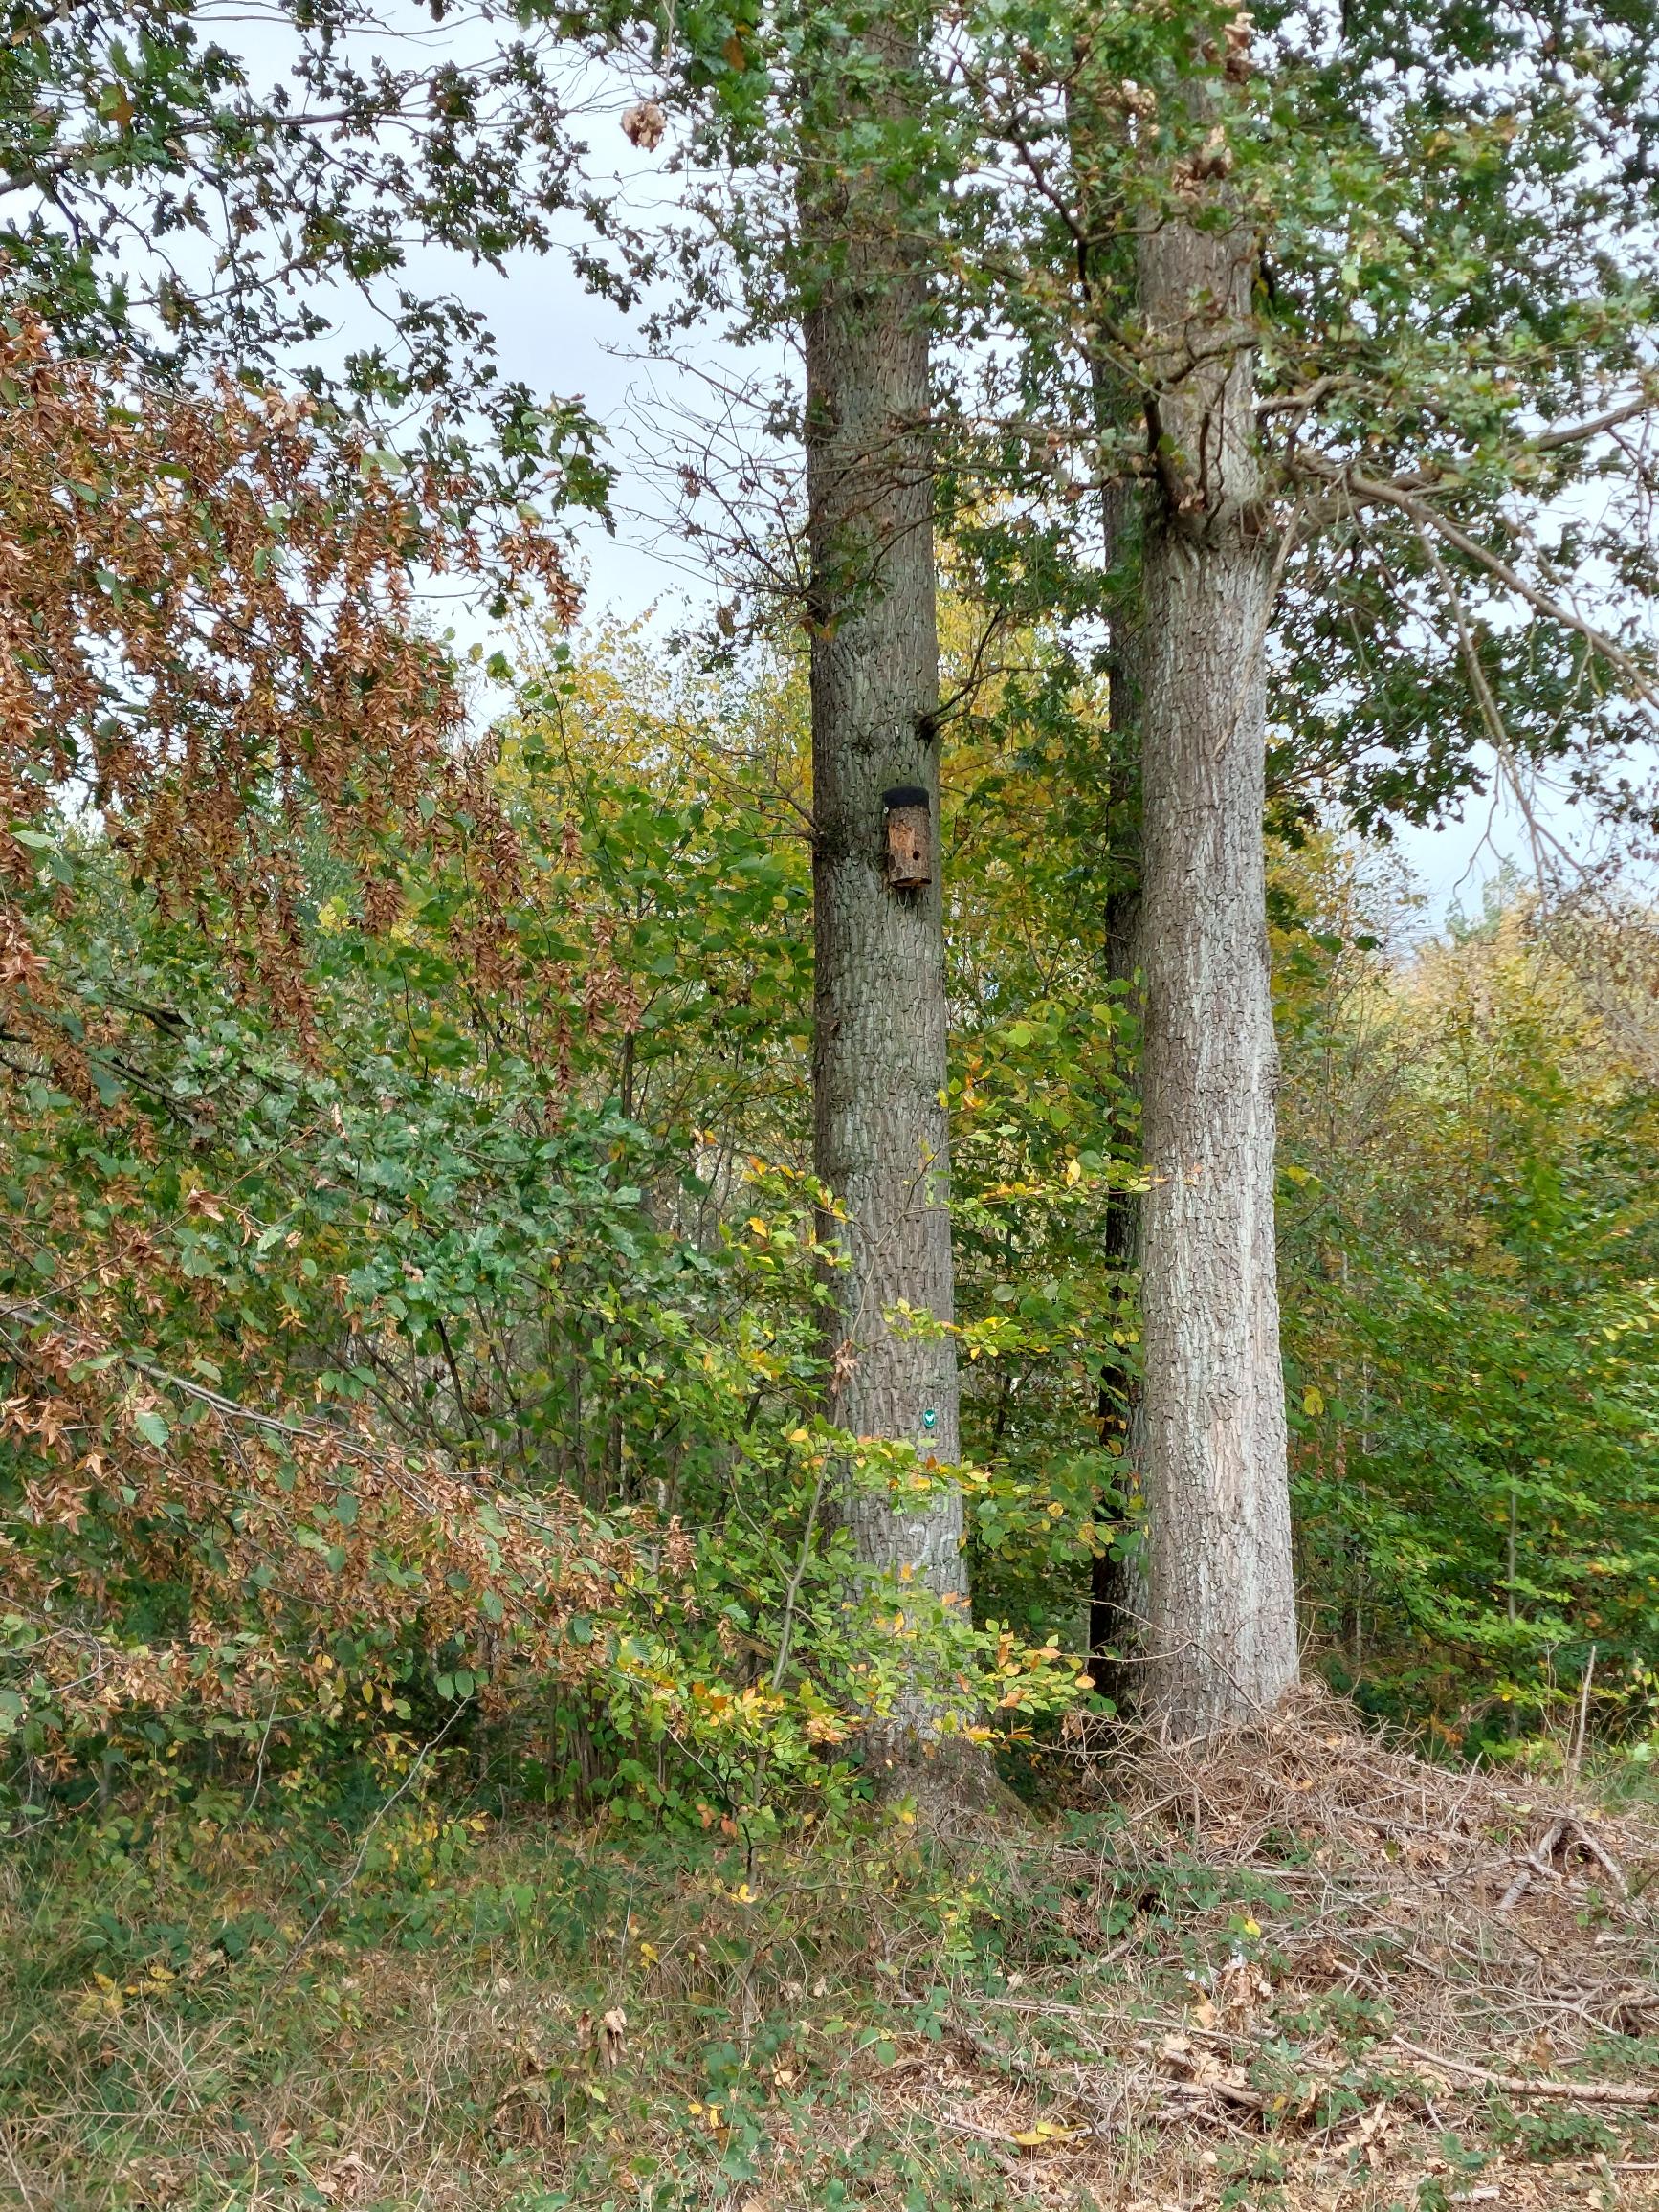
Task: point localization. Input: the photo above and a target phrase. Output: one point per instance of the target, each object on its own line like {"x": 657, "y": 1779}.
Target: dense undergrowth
{"x": 468, "y": 1342}
{"x": 1276, "y": 1977}
{"x": 432, "y": 1682}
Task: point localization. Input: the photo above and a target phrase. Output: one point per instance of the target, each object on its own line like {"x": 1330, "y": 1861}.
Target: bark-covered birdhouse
{"x": 909, "y": 838}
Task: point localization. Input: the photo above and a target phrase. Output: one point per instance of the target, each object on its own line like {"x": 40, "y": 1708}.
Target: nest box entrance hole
{"x": 909, "y": 838}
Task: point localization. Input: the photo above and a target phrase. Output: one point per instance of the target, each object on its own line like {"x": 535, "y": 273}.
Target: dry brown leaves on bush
{"x": 207, "y": 630}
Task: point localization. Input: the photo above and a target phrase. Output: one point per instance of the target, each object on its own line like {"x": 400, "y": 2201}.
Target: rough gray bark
{"x": 1222, "y": 1634}
{"x": 879, "y": 1068}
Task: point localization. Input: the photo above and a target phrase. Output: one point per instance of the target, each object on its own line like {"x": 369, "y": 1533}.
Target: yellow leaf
{"x": 1312, "y": 1400}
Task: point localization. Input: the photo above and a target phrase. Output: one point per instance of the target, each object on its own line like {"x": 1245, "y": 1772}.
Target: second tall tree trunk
{"x": 1222, "y": 1636}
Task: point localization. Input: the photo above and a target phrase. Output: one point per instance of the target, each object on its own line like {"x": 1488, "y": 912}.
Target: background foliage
{"x": 450, "y": 1366}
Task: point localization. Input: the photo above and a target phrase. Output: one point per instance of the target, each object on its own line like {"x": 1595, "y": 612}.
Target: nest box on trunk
{"x": 909, "y": 838}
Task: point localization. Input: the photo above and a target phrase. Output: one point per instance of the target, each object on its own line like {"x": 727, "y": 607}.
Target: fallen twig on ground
{"x": 1529, "y": 2086}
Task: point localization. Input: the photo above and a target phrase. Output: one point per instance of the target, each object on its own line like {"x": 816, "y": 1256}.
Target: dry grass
{"x": 1394, "y": 1953}
{"x": 1299, "y": 1971}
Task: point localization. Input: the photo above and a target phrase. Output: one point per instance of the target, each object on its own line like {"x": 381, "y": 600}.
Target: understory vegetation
{"x": 474, "y": 1336}
{"x": 468, "y": 1809}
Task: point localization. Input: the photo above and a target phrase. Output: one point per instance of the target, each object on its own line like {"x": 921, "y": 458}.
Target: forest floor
{"x": 1308, "y": 1972}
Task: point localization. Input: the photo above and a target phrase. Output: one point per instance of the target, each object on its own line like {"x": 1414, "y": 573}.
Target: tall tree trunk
{"x": 880, "y": 1070}
{"x": 1222, "y": 1634}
